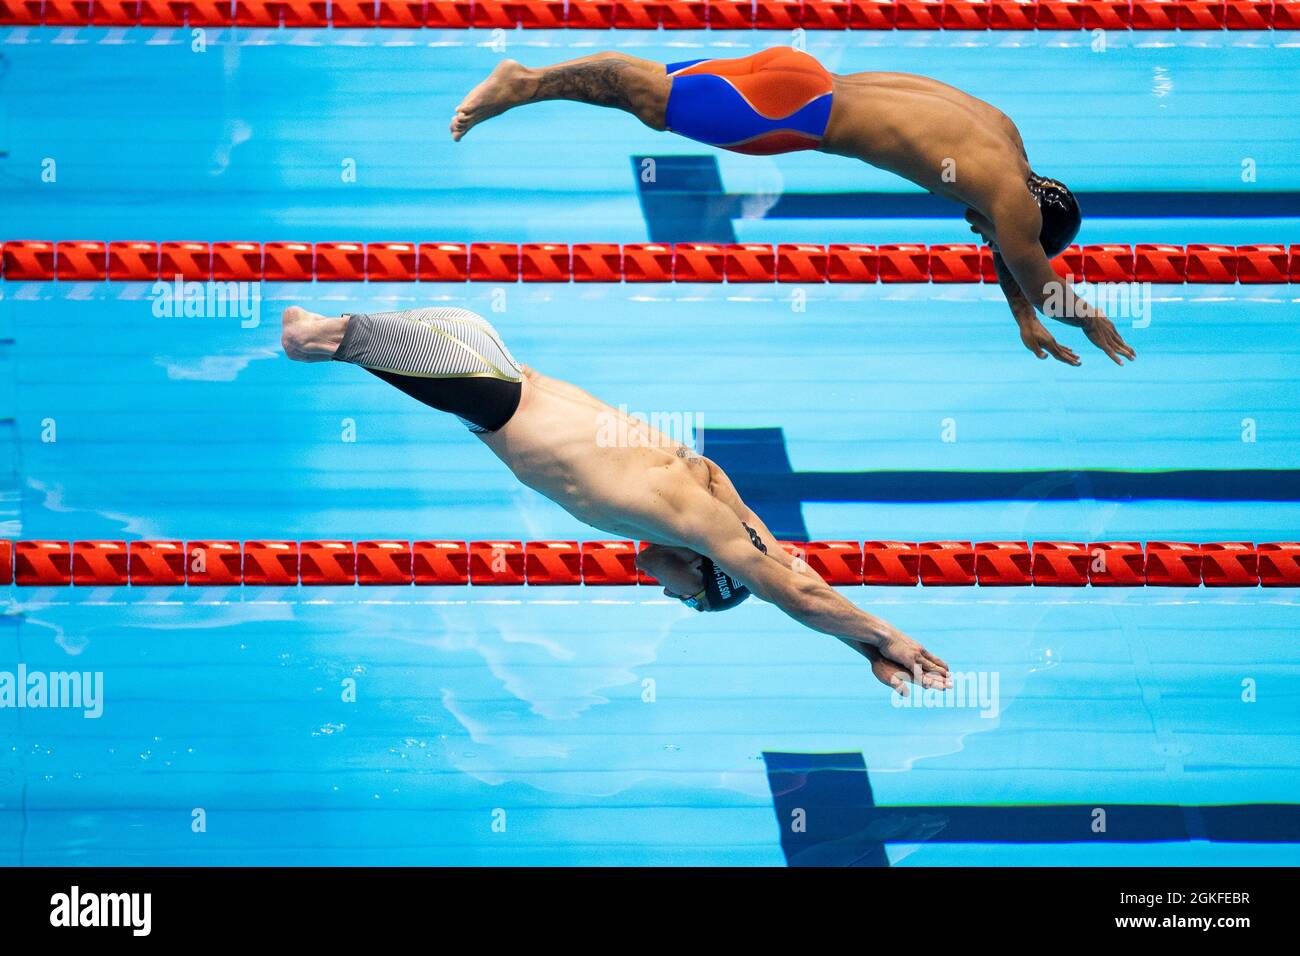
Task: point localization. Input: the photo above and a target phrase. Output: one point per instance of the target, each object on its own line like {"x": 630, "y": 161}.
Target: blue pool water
{"x": 612, "y": 725}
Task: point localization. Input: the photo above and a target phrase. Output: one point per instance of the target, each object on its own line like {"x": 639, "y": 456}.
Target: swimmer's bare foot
{"x": 507, "y": 86}
{"x": 308, "y": 337}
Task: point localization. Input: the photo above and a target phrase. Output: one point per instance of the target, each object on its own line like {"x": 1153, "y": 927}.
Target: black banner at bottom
{"x": 545, "y": 905}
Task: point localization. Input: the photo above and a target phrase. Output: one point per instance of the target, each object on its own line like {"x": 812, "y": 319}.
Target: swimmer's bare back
{"x": 614, "y": 472}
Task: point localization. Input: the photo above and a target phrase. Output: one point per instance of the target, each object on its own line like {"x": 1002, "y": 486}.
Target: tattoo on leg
{"x": 602, "y": 83}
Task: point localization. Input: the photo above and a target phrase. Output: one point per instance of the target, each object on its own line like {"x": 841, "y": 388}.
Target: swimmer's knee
{"x": 645, "y": 87}
{"x": 653, "y": 117}
{"x": 650, "y": 104}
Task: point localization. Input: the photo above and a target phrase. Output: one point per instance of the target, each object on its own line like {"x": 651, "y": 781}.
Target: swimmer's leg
{"x": 450, "y": 359}
{"x": 627, "y": 83}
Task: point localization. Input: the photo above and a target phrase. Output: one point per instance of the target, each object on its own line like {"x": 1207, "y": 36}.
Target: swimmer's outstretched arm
{"x": 886, "y": 671}
{"x": 710, "y": 527}
{"x": 1017, "y": 223}
{"x": 1032, "y": 332}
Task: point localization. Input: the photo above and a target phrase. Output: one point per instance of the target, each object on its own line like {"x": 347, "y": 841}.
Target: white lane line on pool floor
{"x": 1167, "y": 745}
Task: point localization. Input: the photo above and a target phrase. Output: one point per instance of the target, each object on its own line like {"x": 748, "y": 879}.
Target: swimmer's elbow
{"x": 1033, "y": 273}
{"x": 801, "y": 596}
{"x": 804, "y": 591}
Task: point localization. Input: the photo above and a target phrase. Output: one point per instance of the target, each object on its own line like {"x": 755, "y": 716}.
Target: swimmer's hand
{"x": 898, "y": 660}
{"x": 1101, "y": 333}
{"x": 1041, "y": 342}
{"x": 903, "y": 659}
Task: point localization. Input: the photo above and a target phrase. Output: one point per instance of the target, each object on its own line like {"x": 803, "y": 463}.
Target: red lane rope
{"x": 931, "y": 563}
{"x": 669, "y": 14}
{"x": 637, "y": 262}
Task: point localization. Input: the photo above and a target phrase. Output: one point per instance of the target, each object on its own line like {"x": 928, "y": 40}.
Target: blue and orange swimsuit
{"x": 776, "y": 101}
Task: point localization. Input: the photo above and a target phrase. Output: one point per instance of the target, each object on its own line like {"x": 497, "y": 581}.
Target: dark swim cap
{"x": 723, "y": 591}
{"x": 1061, "y": 217}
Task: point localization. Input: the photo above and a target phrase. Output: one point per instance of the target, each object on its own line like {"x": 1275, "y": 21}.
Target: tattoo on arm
{"x": 754, "y": 538}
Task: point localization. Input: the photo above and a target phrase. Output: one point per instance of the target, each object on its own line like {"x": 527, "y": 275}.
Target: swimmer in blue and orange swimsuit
{"x": 781, "y": 100}
{"x": 777, "y": 101}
